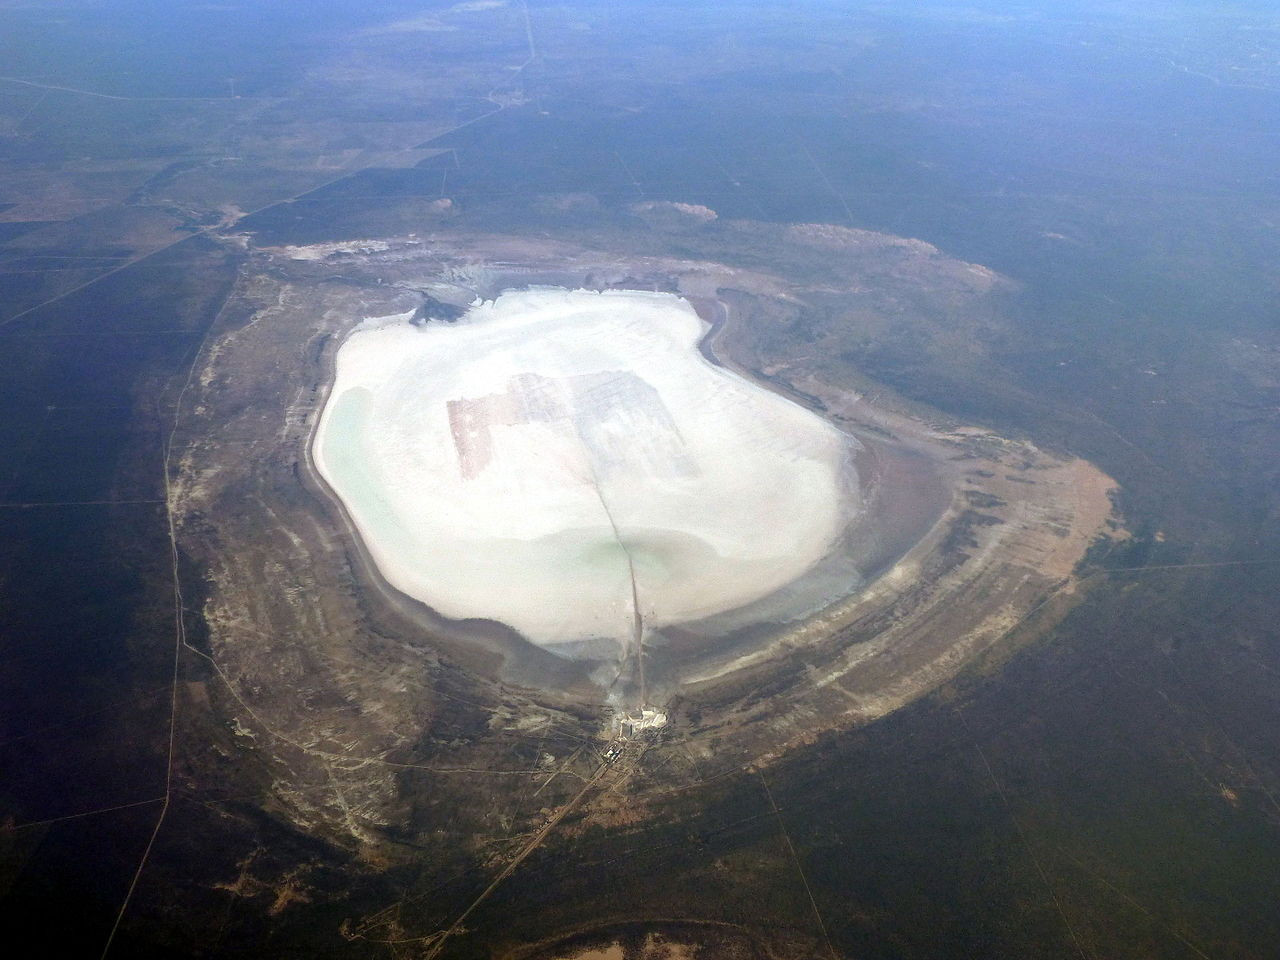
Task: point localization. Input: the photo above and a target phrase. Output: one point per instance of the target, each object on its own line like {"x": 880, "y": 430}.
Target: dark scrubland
{"x": 1106, "y": 788}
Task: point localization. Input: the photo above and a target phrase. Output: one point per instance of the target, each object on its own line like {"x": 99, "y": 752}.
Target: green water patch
{"x": 346, "y": 462}
{"x": 656, "y": 556}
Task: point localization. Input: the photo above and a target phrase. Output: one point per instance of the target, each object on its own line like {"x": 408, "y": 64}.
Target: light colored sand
{"x": 516, "y": 465}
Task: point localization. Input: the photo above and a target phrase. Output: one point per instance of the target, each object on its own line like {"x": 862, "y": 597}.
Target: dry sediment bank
{"x": 964, "y": 534}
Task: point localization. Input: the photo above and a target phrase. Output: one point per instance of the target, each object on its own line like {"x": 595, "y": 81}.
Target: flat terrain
{"x": 997, "y": 244}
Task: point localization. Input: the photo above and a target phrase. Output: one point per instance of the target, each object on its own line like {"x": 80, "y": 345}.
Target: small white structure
{"x": 633, "y": 723}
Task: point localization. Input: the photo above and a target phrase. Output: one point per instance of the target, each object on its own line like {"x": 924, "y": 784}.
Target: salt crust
{"x": 519, "y": 464}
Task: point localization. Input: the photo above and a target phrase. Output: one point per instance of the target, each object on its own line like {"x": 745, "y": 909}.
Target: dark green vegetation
{"x": 1109, "y": 791}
